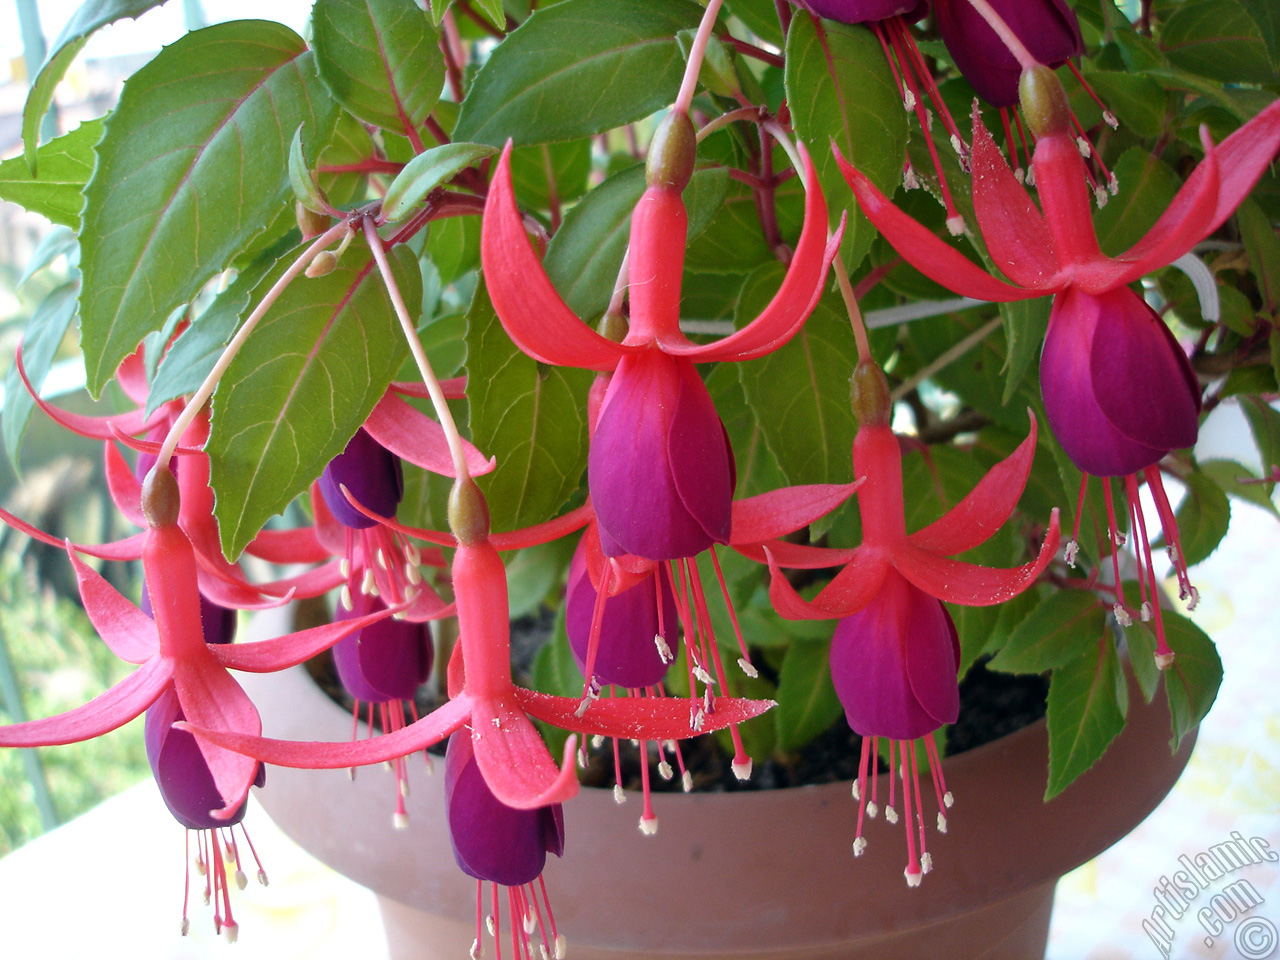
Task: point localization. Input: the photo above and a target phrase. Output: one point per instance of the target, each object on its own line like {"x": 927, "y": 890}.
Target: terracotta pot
{"x": 765, "y": 874}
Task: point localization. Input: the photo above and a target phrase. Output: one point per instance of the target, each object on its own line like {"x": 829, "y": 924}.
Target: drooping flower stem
{"x": 696, "y": 53}
{"x": 855, "y": 313}
{"x": 445, "y": 415}
{"x": 205, "y": 390}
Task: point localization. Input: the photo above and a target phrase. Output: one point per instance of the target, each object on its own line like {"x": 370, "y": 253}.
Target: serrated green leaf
{"x": 427, "y": 171}
{"x": 577, "y": 69}
{"x": 1264, "y": 423}
{"x": 43, "y": 334}
{"x": 1263, "y": 247}
{"x": 1137, "y": 101}
{"x": 1146, "y": 187}
{"x": 305, "y": 380}
{"x": 584, "y": 256}
{"x": 176, "y": 194}
{"x": 190, "y": 358}
{"x": 1025, "y": 324}
{"x": 91, "y": 16}
{"x": 65, "y": 165}
{"x": 1192, "y": 681}
{"x": 1238, "y": 481}
{"x": 531, "y": 417}
{"x": 807, "y": 702}
{"x": 1062, "y": 628}
{"x": 839, "y": 88}
{"x": 1266, "y": 14}
{"x": 301, "y": 178}
{"x": 1084, "y": 714}
{"x": 1217, "y": 39}
{"x": 1203, "y": 518}
{"x": 800, "y": 392}
{"x": 1142, "y": 651}
{"x": 382, "y": 61}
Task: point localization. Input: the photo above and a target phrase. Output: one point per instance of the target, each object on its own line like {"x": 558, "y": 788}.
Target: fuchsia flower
{"x": 660, "y": 470}
{"x": 866, "y": 11}
{"x": 178, "y": 667}
{"x": 501, "y": 846}
{"x": 1118, "y": 391}
{"x": 1048, "y": 29}
{"x": 895, "y": 652}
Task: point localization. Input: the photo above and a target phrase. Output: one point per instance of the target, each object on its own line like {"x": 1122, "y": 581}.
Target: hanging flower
{"x": 894, "y": 654}
{"x": 503, "y": 847}
{"x": 1118, "y": 391}
{"x": 1048, "y": 29}
{"x": 660, "y": 470}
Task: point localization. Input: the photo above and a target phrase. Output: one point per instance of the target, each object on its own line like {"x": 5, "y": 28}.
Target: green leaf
{"x": 1025, "y": 325}
{"x": 577, "y": 69}
{"x": 756, "y": 469}
{"x": 800, "y": 392}
{"x": 1146, "y": 187}
{"x": 41, "y": 339}
{"x": 306, "y": 379}
{"x": 840, "y": 89}
{"x": 807, "y": 702}
{"x": 760, "y": 17}
{"x": 543, "y": 172}
{"x": 1266, "y": 14}
{"x": 380, "y": 60}
{"x": 65, "y": 167}
{"x": 1137, "y": 101}
{"x": 531, "y": 417}
{"x": 427, "y": 171}
{"x": 1059, "y": 630}
{"x": 533, "y": 572}
{"x": 1263, "y": 247}
{"x": 176, "y": 194}
{"x": 90, "y": 17}
{"x": 190, "y": 358}
{"x": 302, "y": 179}
{"x": 1217, "y": 39}
{"x": 453, "y": 245}
{"x": 1238, "y": 481}
{"x": 584, "y": 256}
{"x": 1171, "y": 78}
{"x": 1192, "y": 681}
{"x": 1084, "y": 713}
{"x": 1203, "y": 517}
{"x": 1142, "y": 651}
{"x": 1264, "y": 422}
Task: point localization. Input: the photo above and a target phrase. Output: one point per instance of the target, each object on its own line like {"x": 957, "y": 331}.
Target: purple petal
{"x": 180, "y": 770}
{"x": 866, "y": 11}
{"x": 1116, "y": 394}
{"x": 372, "y": 474}
{"x": 660, "y": 471}
{"x": 386, "y": 660}
{"x": 894, "y": 664}
{"x": 1048, "y": 28}
{"x": 627, "y": 654}
{"x": 491, "y": 841}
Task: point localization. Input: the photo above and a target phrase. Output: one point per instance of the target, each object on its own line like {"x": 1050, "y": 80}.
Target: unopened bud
{"x": 869, "y": 393}
{"x": 323, "y": 264}
{"x": 160, "y": 498}
{"x": 1044, "y": 102}
{"x": 672, "y": 152}
{"x": 468, "y": 512}
{"x": 612, "y": 326}
{"x": 311, "y": 223}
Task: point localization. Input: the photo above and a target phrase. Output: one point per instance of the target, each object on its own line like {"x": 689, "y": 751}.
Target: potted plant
{"x": 585, "y": 304}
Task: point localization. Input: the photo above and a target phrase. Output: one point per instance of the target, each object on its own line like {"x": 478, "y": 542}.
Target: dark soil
{"x": 992, "y": 705}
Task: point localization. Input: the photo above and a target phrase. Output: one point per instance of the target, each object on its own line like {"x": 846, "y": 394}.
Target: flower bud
{"x": 468, "y": 512}
{"x": 869, "y": 393}
{"x": 311, "y": 223}
{"x": 160, "y": 497}
{"x": 672, "y": 152}
{"x": 323, "y": 264}
{"x": 1044, "y": 102}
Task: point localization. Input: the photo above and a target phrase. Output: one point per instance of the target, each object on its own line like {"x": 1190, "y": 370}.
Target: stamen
{"x": 664, "y": 770}
{"x": 619, "y": 795}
